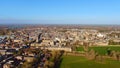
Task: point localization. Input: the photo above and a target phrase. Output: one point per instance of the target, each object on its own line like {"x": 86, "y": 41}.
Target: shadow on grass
{"x": 59, "y": 61}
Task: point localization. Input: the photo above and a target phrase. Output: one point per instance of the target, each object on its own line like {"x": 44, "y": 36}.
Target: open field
{"x": 101, "y": 49}
{"x": 81, "y": 62}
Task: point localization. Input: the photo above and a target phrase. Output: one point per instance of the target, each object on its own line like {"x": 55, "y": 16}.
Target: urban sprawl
{"x": 41, "y": 46}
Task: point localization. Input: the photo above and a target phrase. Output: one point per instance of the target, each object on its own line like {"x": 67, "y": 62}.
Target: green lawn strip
{"x": 80, "y": 49}
{"x": 101, "y": 49}
{"x": 81, "y": 62}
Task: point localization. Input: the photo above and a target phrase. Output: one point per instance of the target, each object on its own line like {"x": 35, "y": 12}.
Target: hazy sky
{"x": 60, "y": 11}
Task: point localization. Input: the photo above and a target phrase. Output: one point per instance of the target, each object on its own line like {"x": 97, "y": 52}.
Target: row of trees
{"x": 51, "y": 62}
{"x": 93, "y": 55}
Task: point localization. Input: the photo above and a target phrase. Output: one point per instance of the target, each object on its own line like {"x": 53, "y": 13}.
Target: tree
{"x": 26, "y": 65}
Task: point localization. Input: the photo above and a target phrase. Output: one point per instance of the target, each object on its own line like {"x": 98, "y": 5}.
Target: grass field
{"x": 81, "y": 62}
{"x": 101, "y": 49}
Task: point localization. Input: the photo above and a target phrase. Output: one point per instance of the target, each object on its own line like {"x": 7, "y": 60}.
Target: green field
{"x": 81, "y": 62}
{"x": 101, "y": 49}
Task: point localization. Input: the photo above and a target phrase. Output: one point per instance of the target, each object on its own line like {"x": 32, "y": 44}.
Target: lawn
{"x": 81, "y": 62}
{"x": 101, "y": 49}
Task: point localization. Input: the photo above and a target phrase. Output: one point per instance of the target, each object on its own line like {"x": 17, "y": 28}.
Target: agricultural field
{"x": 102, "y": 50}
{"x": 82, "y": 62}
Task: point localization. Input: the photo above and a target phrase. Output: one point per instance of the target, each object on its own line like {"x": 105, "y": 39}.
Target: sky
{"x": 59, "y": 11}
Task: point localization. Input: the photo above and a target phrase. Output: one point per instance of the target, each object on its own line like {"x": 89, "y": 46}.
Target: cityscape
{"x": 57, "y": 34}
{"x": 43, "y": 45}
